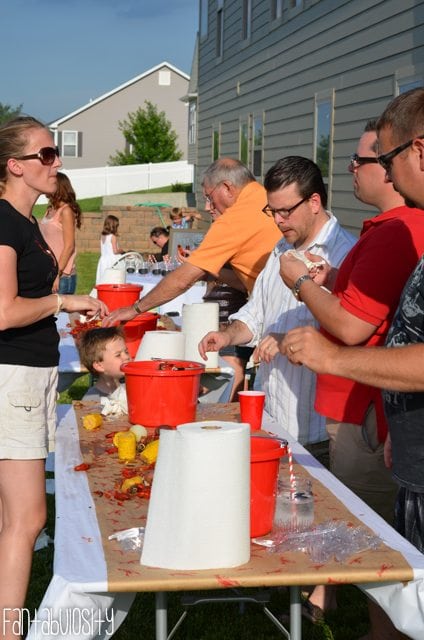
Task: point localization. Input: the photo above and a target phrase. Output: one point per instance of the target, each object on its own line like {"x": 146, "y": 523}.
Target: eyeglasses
{"x": 385, "y": 159}
{"x": 208, "y": 196}
{"x": 46, "y": 155}
{"x": 284, "y": 213}
{"x": 356, "y": 161}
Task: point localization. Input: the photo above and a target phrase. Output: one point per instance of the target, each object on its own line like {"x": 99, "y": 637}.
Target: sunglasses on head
{"x": 46, "y": 155}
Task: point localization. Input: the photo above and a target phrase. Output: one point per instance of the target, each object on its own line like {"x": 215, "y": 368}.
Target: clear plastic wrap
{"x": 129, "y": 539}
{"x": 327, "y": 541}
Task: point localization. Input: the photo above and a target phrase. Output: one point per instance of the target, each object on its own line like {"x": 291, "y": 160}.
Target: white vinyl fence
{"x": 103, "y": 181}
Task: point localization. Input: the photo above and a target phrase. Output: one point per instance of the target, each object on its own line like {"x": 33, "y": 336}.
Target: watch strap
{"x": 298, "y": 284}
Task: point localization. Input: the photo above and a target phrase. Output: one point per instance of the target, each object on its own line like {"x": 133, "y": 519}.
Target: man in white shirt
{"x": 297, "y": 199}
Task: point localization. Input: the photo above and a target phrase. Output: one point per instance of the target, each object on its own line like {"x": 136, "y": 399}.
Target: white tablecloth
{"x": 80, "y": 575}
{"x": 194, "y": 294}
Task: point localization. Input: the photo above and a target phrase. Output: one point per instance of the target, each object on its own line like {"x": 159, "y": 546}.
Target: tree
{"x": 7, "y": 112}
{"x": 323, "y": 155}
{"x": 149, "y": 137}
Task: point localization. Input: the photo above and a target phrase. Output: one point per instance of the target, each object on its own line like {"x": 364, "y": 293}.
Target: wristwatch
{"x": 298, "y": 284}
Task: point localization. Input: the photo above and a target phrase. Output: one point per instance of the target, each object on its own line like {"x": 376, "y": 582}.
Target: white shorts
{"x": 27, "y": 411}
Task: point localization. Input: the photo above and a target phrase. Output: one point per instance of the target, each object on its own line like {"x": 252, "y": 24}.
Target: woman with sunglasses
{"x": 28, "y": 352}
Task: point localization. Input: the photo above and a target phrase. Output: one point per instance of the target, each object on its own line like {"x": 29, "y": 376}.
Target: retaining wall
{"x": 135, "y": 224}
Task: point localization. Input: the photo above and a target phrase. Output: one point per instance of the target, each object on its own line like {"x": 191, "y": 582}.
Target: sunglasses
{"x": 284, "y": 213}
{"x": 385, "y": 159}
{"x": 46, "y": 155}
{"x": 356, "y": 161}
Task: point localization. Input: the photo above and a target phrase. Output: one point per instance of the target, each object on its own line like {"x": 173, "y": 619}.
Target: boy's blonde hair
{"x": 176, "y": 213}
{"x": 92, "y": 344}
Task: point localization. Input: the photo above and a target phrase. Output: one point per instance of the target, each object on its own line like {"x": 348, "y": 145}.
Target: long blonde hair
{"x": 13, "y": 141}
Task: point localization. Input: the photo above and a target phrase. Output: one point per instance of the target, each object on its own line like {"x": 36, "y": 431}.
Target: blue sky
{"x": 59, "y": 54}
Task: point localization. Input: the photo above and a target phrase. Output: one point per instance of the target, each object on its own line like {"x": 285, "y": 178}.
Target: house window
{"x": 244, "y": 143}
{"x": 293, "y": 4}
{"x": 324, "y": 132}
{"x": 203, "y": 18}
{"x": 246, "y": 29}
{"x": 192, "y": 123}
{"x": 257, "y": 137}
{"x": 215, "y": 143}
{"x": 69, "y": 144}
{"x": 219, "y": 28}
{"x": 164, "y": 78}
{"x": 276, "y": 9}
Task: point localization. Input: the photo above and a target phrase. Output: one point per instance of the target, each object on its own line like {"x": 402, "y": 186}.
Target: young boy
{"x": 183, "y": 221}
{"x": 102, "y": 351}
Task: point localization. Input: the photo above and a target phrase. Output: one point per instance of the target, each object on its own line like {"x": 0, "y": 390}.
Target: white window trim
{"x": 192, "y": 122}
{"x": 63, "y": 144}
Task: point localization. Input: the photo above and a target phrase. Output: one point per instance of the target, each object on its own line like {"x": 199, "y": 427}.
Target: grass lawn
{"x": 221, "y": 621}
{"x": 95, "y": 204}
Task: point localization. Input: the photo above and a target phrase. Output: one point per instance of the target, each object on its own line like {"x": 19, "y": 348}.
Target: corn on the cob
{"x": 150, "y": 453}
{"x": 92, "y": 421}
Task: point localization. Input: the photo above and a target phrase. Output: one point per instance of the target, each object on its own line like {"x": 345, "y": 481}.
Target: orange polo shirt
{"x": 242, "y": 235}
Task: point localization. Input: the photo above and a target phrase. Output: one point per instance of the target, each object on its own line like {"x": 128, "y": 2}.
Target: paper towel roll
{"x": 114, "y": 276}
{"x": 199, "y": 510}
{"x": 161, "y": 344}
{"x": 198, "y": 319}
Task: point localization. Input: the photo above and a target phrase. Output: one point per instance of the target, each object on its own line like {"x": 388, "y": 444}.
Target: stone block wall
{"x": 135, "y": 224}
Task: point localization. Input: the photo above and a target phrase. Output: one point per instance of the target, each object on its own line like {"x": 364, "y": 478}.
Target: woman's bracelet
{"x": 60, "y": 302}
{"x": 136, "y": 307}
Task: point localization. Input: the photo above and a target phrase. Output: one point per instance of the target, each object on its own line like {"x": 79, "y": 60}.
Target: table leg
{"x": 295, "y": 614}
{"x": 161, "y": 610}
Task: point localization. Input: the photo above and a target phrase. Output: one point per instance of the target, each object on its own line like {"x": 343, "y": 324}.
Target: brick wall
{"x": 135, "y": 224}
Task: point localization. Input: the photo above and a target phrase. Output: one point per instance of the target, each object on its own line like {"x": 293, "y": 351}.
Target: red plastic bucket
{"x": 135, "y": 329}
{"x": 162, "y": 392}
{"x": 265, "y": 454}
{"x": 118, "y": 295}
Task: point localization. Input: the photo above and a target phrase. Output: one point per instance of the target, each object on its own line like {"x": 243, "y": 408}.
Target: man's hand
{"x": 268, "y": 347}
{"x": 119, "y": 315}
{"x": 213, "y": 341}
{"x": 291, "y": 269}
{"x": 320, "y": 274}
{"x": 305, "y": 345}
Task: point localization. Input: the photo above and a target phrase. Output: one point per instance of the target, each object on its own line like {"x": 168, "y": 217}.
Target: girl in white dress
{"x": 109, "y": 247}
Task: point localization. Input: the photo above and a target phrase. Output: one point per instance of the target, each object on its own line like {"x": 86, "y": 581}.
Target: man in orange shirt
{"x": 242, "y": 236}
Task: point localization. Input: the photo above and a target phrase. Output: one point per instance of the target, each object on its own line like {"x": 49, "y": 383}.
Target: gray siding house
{"x": 88, "y": 136}
{"x": 281, "y": 77}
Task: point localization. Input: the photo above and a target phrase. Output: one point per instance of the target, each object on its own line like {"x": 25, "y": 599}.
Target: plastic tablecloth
{"x": 82, "y": 582}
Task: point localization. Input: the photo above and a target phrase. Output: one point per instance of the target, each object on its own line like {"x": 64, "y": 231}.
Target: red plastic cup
{"x": 252, "y": 408}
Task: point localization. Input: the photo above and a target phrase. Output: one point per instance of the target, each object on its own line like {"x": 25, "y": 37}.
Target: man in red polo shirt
{"x": 359, "y": 311}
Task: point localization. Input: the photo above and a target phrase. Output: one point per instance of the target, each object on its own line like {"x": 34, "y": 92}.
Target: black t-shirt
{"x": 35, "y": 345}
{"x": 405, "y": 410}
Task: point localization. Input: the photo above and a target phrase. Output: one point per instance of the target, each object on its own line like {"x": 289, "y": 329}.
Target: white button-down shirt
{"x": 272, "y": 307}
